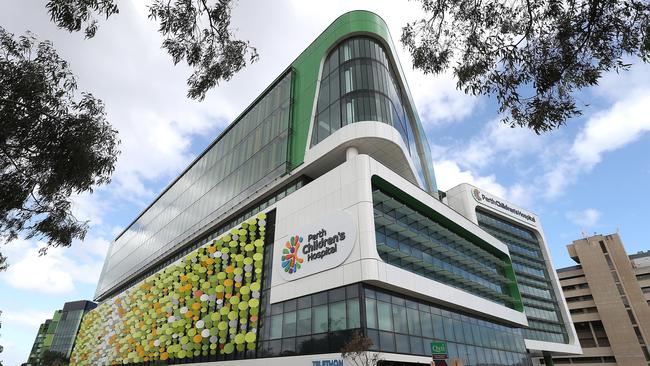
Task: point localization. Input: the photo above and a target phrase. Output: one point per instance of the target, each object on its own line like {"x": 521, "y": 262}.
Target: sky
{"x": 586, "y": 177}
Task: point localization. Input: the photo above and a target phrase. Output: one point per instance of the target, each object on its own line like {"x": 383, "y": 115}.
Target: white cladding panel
{"x": 465, "y": 198}
{"x": 347, "y": 188}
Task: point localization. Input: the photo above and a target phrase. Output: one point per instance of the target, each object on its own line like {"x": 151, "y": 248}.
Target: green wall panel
{"x": 208, "y": 303}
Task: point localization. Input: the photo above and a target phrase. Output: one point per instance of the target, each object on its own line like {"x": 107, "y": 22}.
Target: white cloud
{"x": 449, "y": 174}
{"x": 585, "y": 218}
{"x": 59, "y": 270}
{"x": 24, "y": 318}
{"x": 621, "y": 124}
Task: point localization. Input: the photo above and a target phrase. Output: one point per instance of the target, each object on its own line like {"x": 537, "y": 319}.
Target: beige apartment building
{"x": 608, "y": 293}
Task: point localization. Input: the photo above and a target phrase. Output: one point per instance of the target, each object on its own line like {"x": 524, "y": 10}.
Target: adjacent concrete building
{"x": 607, "y": 294}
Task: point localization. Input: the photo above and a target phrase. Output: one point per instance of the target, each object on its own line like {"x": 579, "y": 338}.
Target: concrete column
{"x": 548, "y": 360}
{"x": 351, "y": 152}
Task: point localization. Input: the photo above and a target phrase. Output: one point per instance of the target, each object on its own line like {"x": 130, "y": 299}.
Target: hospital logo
{"x": 290, "y": 260}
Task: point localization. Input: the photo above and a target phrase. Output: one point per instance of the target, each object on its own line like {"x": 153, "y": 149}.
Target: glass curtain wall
{"x": 400, "y": 324}
{"x": 324, "y": 321}
{"x": 250, "y": 154}
{"x": 540, "y": 303}
{"x": 66, "y": 332}
{"x": 358, "y": 84}
{"x": 412, "y": 241}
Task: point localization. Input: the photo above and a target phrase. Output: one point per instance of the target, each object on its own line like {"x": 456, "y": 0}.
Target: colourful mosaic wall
{"x": 206, "y": 304}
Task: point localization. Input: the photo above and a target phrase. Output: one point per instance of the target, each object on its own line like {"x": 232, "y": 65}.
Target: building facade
{"x": 37, "y": 348}
{"x": 549, "y": 328}
{"x": 314, "y": 216}
{"x": 608, "y": 295}
{"x": 59, "y": 333}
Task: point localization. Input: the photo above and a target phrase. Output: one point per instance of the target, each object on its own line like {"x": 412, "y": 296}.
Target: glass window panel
{"x": 337, "y": 314}
{"x": 288, "y": 347}
{"x": 416, "y": 346}
{"x": 353, "y": 314}
{"x": 304, "y": 302}
{"x": 413, "y": 317}
{"x": 426, "y": 324}
{"x": 402, "y": 343}
{"x": 304, "y": 322}
{"x": 449, "y": 328}
{"x": 319, "y": 298}
{"x": 387, "y": 341}
{"x": 374, "y": 337}
{"x": 384, "y": 316}
{"x": 276, "y": 326}
{"x": 319, "y": 319}
{"x": 399, "y": 319}
{"x": 371, "y": 313}
{"x": 336, "y": 294}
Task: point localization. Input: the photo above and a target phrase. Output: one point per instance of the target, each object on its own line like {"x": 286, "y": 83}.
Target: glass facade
{"x": 256, "y": 208}
{"x": 416, "y": 242}
{"x": 66, "y": 332}
{"x": 324, "y": 321}
{"x": 318, "y": 323}
{"x": 400, "y": 324}
{"x": 251, "y": 153}
{"x": 540, "y": 303}
{"x": 358, "y": 84}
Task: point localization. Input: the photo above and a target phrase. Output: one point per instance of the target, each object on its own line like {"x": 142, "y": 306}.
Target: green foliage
{"x": 53, "y": 143}
{"x": 357, "y": 351}
{"x": 51, "y": 358}
{"x": 532, "y": 55}
{"x": 195, "y": 31}
{"x": 72, "y": 15}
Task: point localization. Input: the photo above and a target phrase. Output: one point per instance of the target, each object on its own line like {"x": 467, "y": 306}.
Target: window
{"x": 413, "y": 241}
{"x": 358, "y": 84}
{"x": 416, "y": 324}
{"x": 602, "y": 246}
{"x": 533, "y": 279}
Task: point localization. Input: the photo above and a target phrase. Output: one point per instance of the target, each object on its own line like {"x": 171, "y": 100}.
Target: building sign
{"x": 334, "y": 362}
{"x": 491, "y": 201}
{"x": 316, "y": 247}
{"x": 439, "y": 350}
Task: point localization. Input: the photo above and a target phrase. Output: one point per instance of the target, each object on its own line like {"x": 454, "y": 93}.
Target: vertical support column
{"x": 351, "y": 152}
{"x": 548, "y": 360}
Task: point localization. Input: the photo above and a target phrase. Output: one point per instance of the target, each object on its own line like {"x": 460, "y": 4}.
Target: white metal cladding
{"x": 348, "y": 187}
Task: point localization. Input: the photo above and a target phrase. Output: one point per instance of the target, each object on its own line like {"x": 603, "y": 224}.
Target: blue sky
{"x": 589, "y": 176}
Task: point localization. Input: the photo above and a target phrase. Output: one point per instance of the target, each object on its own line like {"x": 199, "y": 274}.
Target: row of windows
{"x": 579, "y": 298}
{"x": 534, "y": 291}
{"x": 550, "y": 315}
{"x": 390, "y": 313}
{"x": 533, "y": 278}
{"x": 359, "y": 64}
{"x": 579, "y": 286}
{"x": 259, "y": 207}
{"x": 517, "y": 232}
{"x": 247, "y": 156}
{"x": 542, "y": 304}
{"x": 324, "y": 321}
{"x": 400, "y": 324}
{"x": 358, "y": 84}
{"x": 404, "y": 239}
{"x": 328, "y": 311}
{"x": 520, "y": 268}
